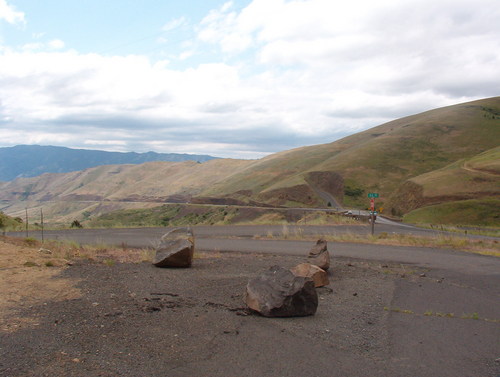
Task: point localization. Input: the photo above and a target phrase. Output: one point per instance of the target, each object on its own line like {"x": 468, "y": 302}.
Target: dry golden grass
{"x": 29, "y": 273}
{"x": 477, "y": 246}
{"x": 28, "y": 277}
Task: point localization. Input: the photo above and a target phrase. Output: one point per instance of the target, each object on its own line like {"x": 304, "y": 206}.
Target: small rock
{"x": 317, "y": 274}
{"x": 279, "y": 293}
{"x": 319, "y": 255}
{"x": 321, "y": 246}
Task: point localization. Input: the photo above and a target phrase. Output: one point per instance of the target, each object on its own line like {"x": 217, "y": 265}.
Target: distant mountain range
{"x": 24, "y": 161}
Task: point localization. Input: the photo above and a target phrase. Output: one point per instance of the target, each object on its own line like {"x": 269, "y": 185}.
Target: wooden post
{"x": 41, "y": 219}
{"x": 27, "y": 222}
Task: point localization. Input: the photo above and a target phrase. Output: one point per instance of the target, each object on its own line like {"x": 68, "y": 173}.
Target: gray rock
{"x": 176, "y": 249}
{"x": 319, "y": 255}
{"x": 279, "y": 293}
{"x": 320, "y": 247}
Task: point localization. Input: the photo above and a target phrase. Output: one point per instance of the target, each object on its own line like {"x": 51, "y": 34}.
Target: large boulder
{"x": 176, "y": 249}
{"x": 318, "y": 275}
{"x": 319, "y": 255}
{"x": 279, "y": 293}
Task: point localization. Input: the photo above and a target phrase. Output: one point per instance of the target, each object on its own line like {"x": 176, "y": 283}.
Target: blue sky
{"x": 239, "y": 79}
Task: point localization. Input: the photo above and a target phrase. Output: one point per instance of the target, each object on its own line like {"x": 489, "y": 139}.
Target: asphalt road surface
{"x": 245, "y": 238}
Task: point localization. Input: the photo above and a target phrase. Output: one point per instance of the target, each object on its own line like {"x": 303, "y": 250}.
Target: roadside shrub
{"x": 30, "y": 241}
{"x": 76, "y": 224}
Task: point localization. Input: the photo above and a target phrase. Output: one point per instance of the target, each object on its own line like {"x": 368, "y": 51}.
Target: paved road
{"x": 246, "y": 239}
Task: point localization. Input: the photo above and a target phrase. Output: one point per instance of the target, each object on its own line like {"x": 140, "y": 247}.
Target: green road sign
{"x": 373, "y": 195}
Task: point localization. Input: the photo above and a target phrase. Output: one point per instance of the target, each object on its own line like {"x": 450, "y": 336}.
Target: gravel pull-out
{"x": 139, "y": 320}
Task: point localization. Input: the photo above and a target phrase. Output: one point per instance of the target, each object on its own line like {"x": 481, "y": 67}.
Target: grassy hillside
{"x": 9, "y": 223}
{"x": 471, "y": 178}
{"x": 95, "y": 191}
{"x": 379, "y": 159}
{"x": 478, "y": 212}
{"x": 442, "y": 155}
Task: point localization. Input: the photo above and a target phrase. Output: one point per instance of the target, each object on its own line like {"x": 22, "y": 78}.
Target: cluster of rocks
{"x": 278, "y": 292}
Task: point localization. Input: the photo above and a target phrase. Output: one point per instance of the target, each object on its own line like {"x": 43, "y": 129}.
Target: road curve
{"x": 246, "y": 239}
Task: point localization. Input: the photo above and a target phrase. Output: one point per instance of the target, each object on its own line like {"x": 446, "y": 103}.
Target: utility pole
{"x": 41, "y": 219}
{"x": 26, "y": 222}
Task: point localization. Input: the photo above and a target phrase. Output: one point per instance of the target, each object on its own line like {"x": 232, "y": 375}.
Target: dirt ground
{"x": 98, "y": 317}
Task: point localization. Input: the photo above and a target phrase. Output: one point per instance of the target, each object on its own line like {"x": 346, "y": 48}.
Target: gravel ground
{"x": 373, "y": 320}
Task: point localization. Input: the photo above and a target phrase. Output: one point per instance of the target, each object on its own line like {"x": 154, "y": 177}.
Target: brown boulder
{"x": 279, "y": 293}
{"x": 318, "y": 275}
{"x": 319, "y": 255}
{"x": 320, "y": 247}
{"x": 176, "y": 249}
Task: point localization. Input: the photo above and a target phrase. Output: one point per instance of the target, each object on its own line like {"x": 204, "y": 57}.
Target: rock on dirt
{"x": 176, "y": 249}
{"x": 318, "y": 275}
{"x": 319, "y": 255}
{"x": 279, "y": 293}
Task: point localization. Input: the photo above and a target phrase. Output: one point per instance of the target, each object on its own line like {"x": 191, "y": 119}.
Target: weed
{"x": 30, "y": 241}
{"x": 383, "y": 236}
{"x": 109, "y": 262}
{"x": 398, "y": 310}
{"x": 485, "y": 247}
{"x": 30, "y": 264}
{"x": 49, "y": 264}
{"x": 471, "y": 316}
{"x": 147, "y": 255}
{"x": 285, "y": 232}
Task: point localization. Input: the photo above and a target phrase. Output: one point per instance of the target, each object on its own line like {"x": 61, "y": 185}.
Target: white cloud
{"x": 174, "y": 24}
{"x": 9, "y": 14}
{"x": 56, "y": 44}
{"x": 288, "y": 73}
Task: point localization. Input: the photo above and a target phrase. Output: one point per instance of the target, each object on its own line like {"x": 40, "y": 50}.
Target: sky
{"x": 238, "y": 79}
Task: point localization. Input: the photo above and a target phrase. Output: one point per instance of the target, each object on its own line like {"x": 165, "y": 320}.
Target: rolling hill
{"x": 444, "y": 155}
{"x": 379, "y": 160}
{"x": 34, "y": 160}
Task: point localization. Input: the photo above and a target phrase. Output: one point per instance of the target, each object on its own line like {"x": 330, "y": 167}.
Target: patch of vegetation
{"x": 76, "y": 224}
{"x": 454, "y": 242}
{"x": 8, "y": 223}
{"x": 430, "y": 313}
{"x": 478, "y": 212}
{"x": 30, "y": 241}
{"x": 353, "y": 191}
{"x": 471, "y": 316}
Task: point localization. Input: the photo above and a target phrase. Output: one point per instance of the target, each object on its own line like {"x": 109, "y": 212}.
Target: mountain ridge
{"x": 22, "y": 161}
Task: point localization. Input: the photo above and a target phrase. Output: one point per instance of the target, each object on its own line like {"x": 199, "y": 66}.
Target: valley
{"x": 442, "y": 157}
